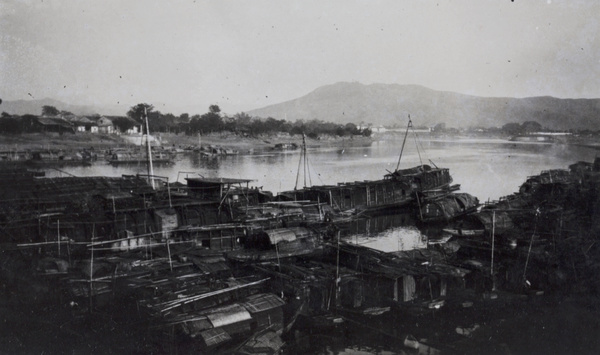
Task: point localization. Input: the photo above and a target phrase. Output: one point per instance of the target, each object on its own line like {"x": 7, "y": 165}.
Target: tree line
{"x": 214, "y": 121}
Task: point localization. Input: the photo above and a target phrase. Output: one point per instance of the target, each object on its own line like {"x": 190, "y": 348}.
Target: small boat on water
{"x": 285, "y": 146}
{"x": 130, "y": 158}
{"x": 480, "y": 224}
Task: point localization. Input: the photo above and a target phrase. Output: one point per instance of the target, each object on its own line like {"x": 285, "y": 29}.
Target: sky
{"x": 241, "y": 55}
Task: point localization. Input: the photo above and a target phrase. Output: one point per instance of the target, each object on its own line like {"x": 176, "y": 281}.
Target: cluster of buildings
{"x": 90, "y": 124}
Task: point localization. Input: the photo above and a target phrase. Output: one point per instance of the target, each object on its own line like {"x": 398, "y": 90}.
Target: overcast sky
{"x": 249, "y": 54}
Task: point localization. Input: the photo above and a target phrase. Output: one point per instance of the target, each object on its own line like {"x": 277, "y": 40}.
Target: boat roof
{"x": 263, "y": 302}
{"x": 219, "y": 180}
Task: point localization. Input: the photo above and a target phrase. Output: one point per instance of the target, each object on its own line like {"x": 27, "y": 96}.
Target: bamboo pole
{"x": 493, "y": 240}
{"x": 58, "y": 235}
{"x": 149, "y": 150}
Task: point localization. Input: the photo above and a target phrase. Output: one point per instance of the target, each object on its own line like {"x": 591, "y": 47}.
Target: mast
{"x": 149, "y": 150}
{"x": 404, "y": 141}
{"x": 303, "y": 159}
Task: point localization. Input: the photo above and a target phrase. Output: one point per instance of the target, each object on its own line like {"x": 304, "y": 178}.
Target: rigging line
{"x": 309, "y": 173}
{"x": 304, "y": 168}
{"x": 417, "y": 145}
{"x": 420, "y": 144}
{"x": 64, "y": 172}
{"x": 530, "y": 245}
{"x": 298, "y": 171}
{"x": 305, "y": 158}
{"x": 318, "y": 175}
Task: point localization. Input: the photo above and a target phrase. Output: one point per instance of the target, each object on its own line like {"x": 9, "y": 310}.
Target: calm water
{"x": 487, "y": 169}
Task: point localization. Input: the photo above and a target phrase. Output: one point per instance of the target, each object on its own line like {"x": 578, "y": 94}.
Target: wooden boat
{"x": 481, "y": 224}
{"x": 448, "y": 207}
{"x": 48, "y": 158}
{"x": 275, "y": 244}
{"x": 285, "y": 146}
{"x": 395, "y": 189}
{"x": 134, "y": 158}
{"x": 357, "y": 196}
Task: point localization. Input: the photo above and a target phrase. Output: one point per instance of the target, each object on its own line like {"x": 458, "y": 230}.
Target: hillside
{"x": 389, "y": 104}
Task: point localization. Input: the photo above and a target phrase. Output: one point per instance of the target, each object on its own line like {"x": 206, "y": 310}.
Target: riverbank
{"x": 55, "y": 141}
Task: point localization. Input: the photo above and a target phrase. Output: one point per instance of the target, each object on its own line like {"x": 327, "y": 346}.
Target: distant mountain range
{"x": 390, "y": 104}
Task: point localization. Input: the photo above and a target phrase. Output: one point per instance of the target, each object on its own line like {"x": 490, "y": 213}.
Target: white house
{"x": 105, "y": 125}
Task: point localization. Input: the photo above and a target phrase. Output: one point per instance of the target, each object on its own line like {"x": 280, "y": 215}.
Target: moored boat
{"x": 448, "y": 207}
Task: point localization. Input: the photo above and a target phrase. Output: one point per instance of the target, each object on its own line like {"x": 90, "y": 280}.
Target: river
{"x": 485, "y": 168}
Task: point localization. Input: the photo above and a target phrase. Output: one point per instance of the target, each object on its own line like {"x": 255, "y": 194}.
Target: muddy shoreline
{"x": 243, "y": 144}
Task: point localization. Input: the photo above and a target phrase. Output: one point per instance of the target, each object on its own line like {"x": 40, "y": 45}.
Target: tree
{"x": 351, "y": 128}
{"x": 211, "y": 121}
{"x": 123, "y": 123}
{"x": 10, "y": 125}
{"x": 512, "y": 128}
{"x": 49, "y": 111}
{"x": 531, "y": 126}
{"x": 137, "y": 112}
{"x": 440, "y": 127}
{"x": 214, "y": 109}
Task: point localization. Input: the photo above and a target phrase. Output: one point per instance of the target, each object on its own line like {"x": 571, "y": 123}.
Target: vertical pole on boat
{"x": 91, "y": 288}
{"x": 69, "y": 250}
{"x": 58, "y": 235}
{"x": 419, "y": 204}
{"x": 149, "y": 150}
{"x": 169, "y": 251}
{"x": 530, "y": 245}
{"x": 404, "y": 141}
{"x": 302, "y": 152}
{"x": 277, "y": 252}
{"x": 337, "y": 272}
{"x": 493, "y": 237}
{"x": 169, "y": 193}
{"x": 319, "y": 208}
{"x": 304, "y": 156}
{"x": 247, "y": 196}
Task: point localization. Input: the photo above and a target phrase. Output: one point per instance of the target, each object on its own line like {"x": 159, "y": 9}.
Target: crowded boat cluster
{"x": 214, "y": 264}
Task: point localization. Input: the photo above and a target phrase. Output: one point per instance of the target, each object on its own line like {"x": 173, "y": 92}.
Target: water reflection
{"x": 392, "y": 239}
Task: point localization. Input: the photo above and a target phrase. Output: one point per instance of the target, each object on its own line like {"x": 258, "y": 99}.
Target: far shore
{"x": 230, "y": 141}
{"x": 242, "y": 144}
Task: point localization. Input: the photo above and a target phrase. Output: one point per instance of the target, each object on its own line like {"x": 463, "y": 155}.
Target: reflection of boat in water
{"x": 533, "y": 138}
